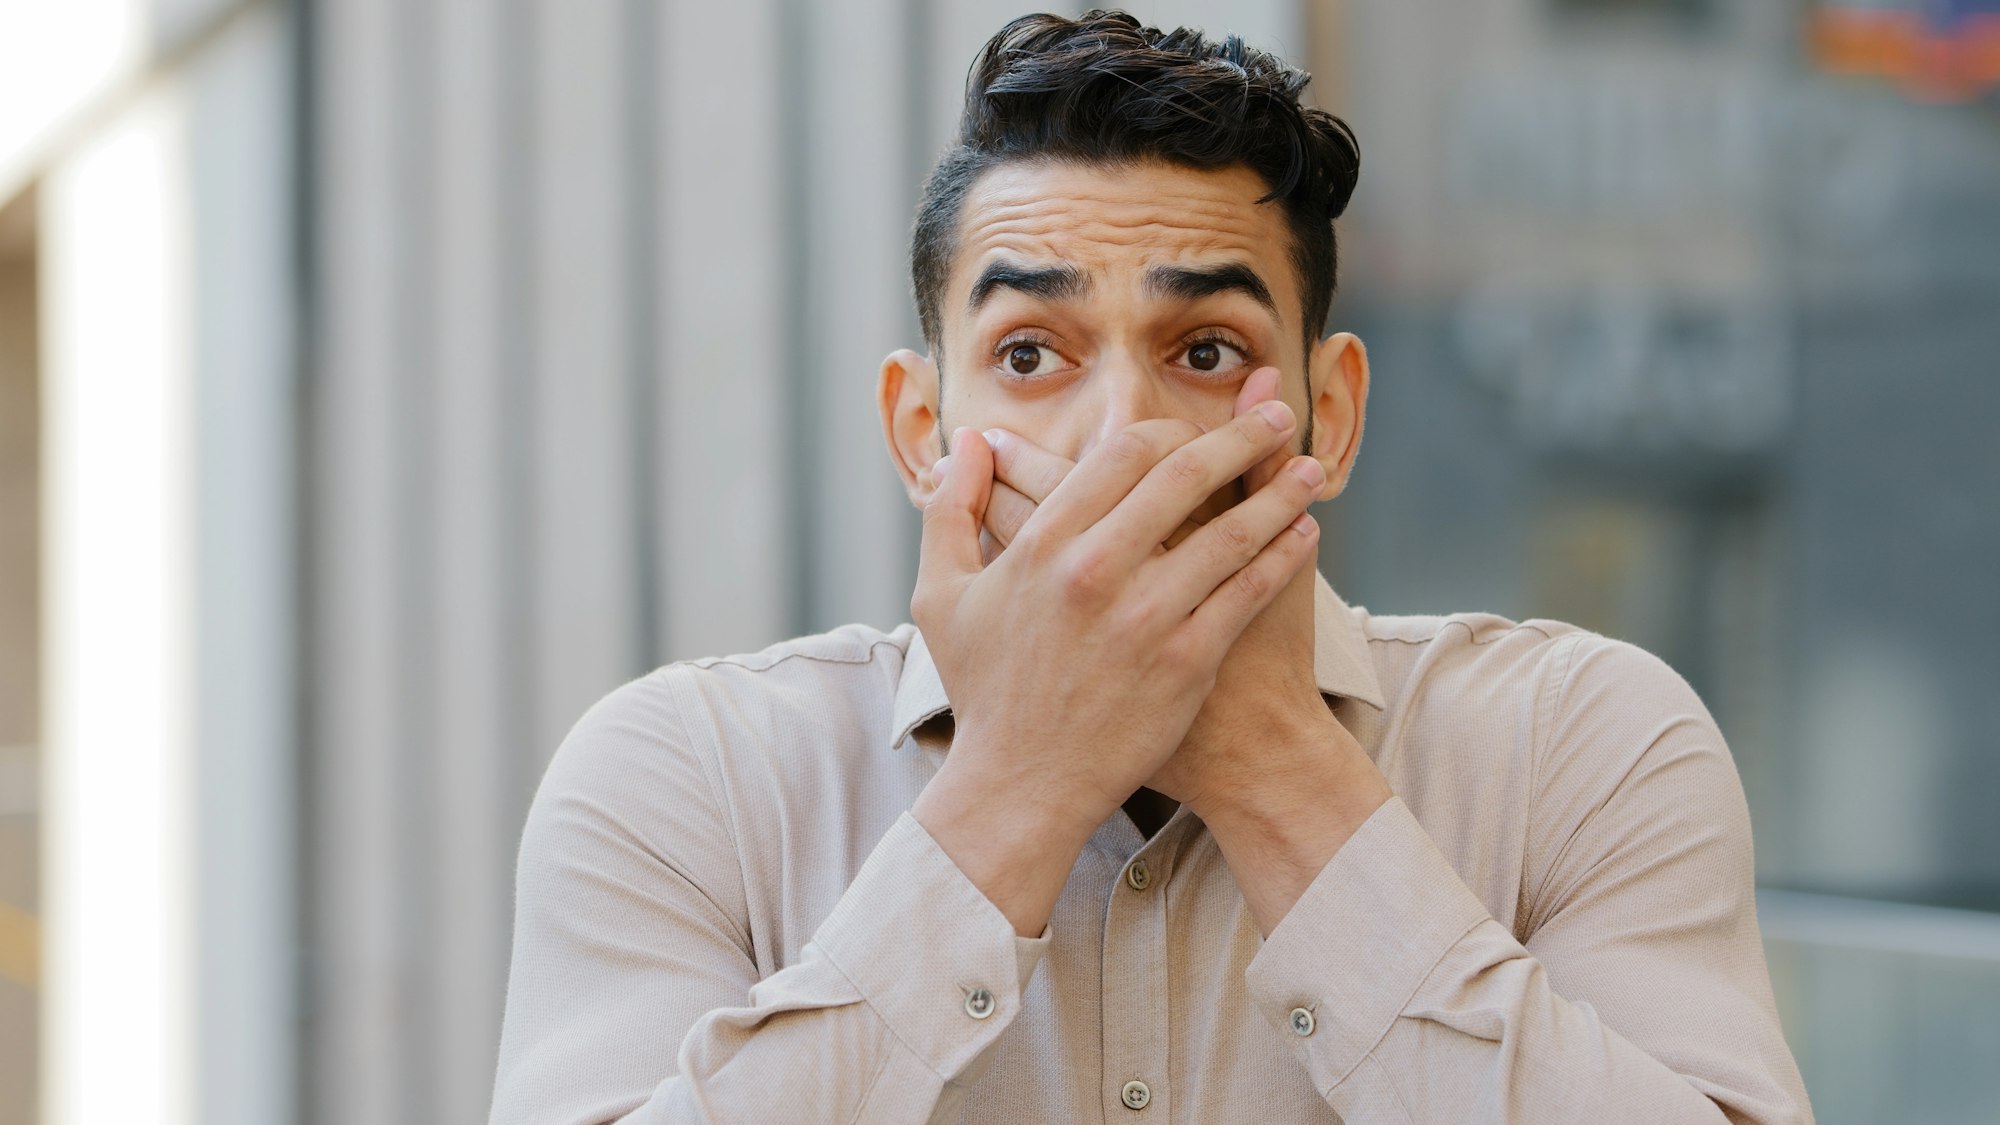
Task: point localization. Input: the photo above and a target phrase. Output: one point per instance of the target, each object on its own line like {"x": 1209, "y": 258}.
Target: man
{"x": 1139, "y": 821}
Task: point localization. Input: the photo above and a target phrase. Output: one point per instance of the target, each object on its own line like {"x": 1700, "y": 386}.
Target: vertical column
{"x": 478, "y": 666}
{"x": 169, "y": 572}
{"x": 584, "y": 546}
{"x": 366, "y": 986}
{"x": 856, "y": 195}
{"x": 245, "y": 462}
{"x": 119, "y": 781}
{"x": 723, "y": 331}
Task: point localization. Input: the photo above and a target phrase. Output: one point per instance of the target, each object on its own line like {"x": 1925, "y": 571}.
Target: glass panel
{"x": 1687, "y": 342}
{"x": 1891, "y": 1037}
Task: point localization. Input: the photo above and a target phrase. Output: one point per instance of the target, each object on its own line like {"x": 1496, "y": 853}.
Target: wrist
{"x": 1018, "y": 851}
{"x": 1292, "y": 761}
{"x": 1279, "y": 831}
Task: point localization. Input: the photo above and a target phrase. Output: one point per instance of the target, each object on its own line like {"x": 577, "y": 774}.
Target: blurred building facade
{"x": 386, "y": 380}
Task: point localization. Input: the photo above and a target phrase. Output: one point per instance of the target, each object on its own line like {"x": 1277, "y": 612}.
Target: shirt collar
{"x": 1341, "y": 665}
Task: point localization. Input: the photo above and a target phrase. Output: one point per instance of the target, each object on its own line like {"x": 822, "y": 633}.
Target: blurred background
{"x": 382, "y": 381}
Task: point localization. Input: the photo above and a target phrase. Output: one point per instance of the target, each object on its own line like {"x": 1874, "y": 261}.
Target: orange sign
{"x": 1942, "y": 51}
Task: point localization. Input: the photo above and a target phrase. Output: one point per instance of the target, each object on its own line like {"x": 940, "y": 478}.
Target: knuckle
{"x": 1129, "y": 446}
{"x": 1185, "y": 470}
{"x": 1250, "y": 584}
{"x": 1086, "y": 577}
{"x": 1233, "y": 537}
{"x": 1029, "y": 542}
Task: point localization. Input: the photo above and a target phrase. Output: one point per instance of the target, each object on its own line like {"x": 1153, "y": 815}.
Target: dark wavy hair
{"x": 1106, "y": 89}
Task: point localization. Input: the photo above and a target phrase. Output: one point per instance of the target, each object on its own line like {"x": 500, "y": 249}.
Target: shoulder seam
{"x": 1472, "y": 635}
{"x": 866, "y": 656}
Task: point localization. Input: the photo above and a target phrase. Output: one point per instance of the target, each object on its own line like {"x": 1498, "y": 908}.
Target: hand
{"x": 1264, "y": 740}
{"x": 1266, "y": 681}
{"x": 1266, "y": 692}
{"x": 1077, "y": 661}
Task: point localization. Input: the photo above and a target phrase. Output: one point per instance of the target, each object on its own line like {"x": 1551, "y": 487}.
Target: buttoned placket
{"x": 1135, "y": 1002}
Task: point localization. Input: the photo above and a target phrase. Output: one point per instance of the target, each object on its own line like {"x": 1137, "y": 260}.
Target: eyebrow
{"x": 1192, "y": 283}
{"x": 1061, "y": 282}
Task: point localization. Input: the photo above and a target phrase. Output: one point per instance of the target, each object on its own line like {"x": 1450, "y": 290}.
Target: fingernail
{"x": 1276, "y": 413}
{"x": 1309, "y": 471}
{"x": 1305, "y": 526}
{"x": 993, "y": 437}
{"x": 938, "y": 468}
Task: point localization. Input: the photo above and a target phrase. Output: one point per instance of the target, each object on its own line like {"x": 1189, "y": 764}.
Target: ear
{"x": 1339, "y": 368}
{"x": 906, "y": 393}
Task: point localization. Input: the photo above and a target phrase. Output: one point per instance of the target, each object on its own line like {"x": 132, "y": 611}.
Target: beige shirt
{"x": 726, "y": 913}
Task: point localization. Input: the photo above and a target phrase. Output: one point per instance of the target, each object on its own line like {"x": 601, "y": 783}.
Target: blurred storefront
{"x": 1685, "y": 330}
{"x": 382, "y": 381}
{"x": 147, "y": 813}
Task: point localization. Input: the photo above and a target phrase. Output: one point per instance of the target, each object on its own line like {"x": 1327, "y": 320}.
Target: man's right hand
{"x": 1077, "y": 660}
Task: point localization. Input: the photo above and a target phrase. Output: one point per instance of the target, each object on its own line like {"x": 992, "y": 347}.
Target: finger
{"x": 1105, "y": 476}
{"x": 1006, "y": 512}
{"x": 1261, "y": 386}
{"x": 1009, "y": 510}
{"x": 1029, "y": 469}
{"x": 1188, "y": 476}
{"x": 1221, "y": 617}
{"x": 1023, "y": 476}
{"x": 1226, "y": 544}
{"x": 956, "y": 508}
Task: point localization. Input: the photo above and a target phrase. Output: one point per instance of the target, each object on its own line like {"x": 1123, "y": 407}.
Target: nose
{"x": 1128, "y": 393}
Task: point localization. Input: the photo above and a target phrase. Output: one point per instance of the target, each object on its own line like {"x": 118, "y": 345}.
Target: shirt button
{"x": 1302, "y": 1022}
{"x": 1135, "y": 1095}
{"x": 1138, "y": 876}
{"x": 979, "y": 1004}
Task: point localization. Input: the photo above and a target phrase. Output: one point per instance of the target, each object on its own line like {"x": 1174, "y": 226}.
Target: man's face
{"x": 1084, "y": 298}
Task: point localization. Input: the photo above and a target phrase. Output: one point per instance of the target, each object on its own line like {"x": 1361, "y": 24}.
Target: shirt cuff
{"x": 1360, "y": 941}
{"x": 930, "y": 953}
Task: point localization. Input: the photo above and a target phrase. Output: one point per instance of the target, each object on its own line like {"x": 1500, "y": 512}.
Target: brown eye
{"x": 1213, "y": 357}
{"x": 1025, "y": 358}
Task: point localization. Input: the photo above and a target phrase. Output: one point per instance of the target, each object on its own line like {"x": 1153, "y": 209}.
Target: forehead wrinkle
{"x": 1097, "y": 246}
{"x": 1118, "y": 220}
{"x": 1117, "y": 225}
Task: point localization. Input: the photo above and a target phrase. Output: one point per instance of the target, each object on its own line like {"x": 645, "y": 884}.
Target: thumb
{"x": 957, "y": 508}
{"x": 1261, "y": 386}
